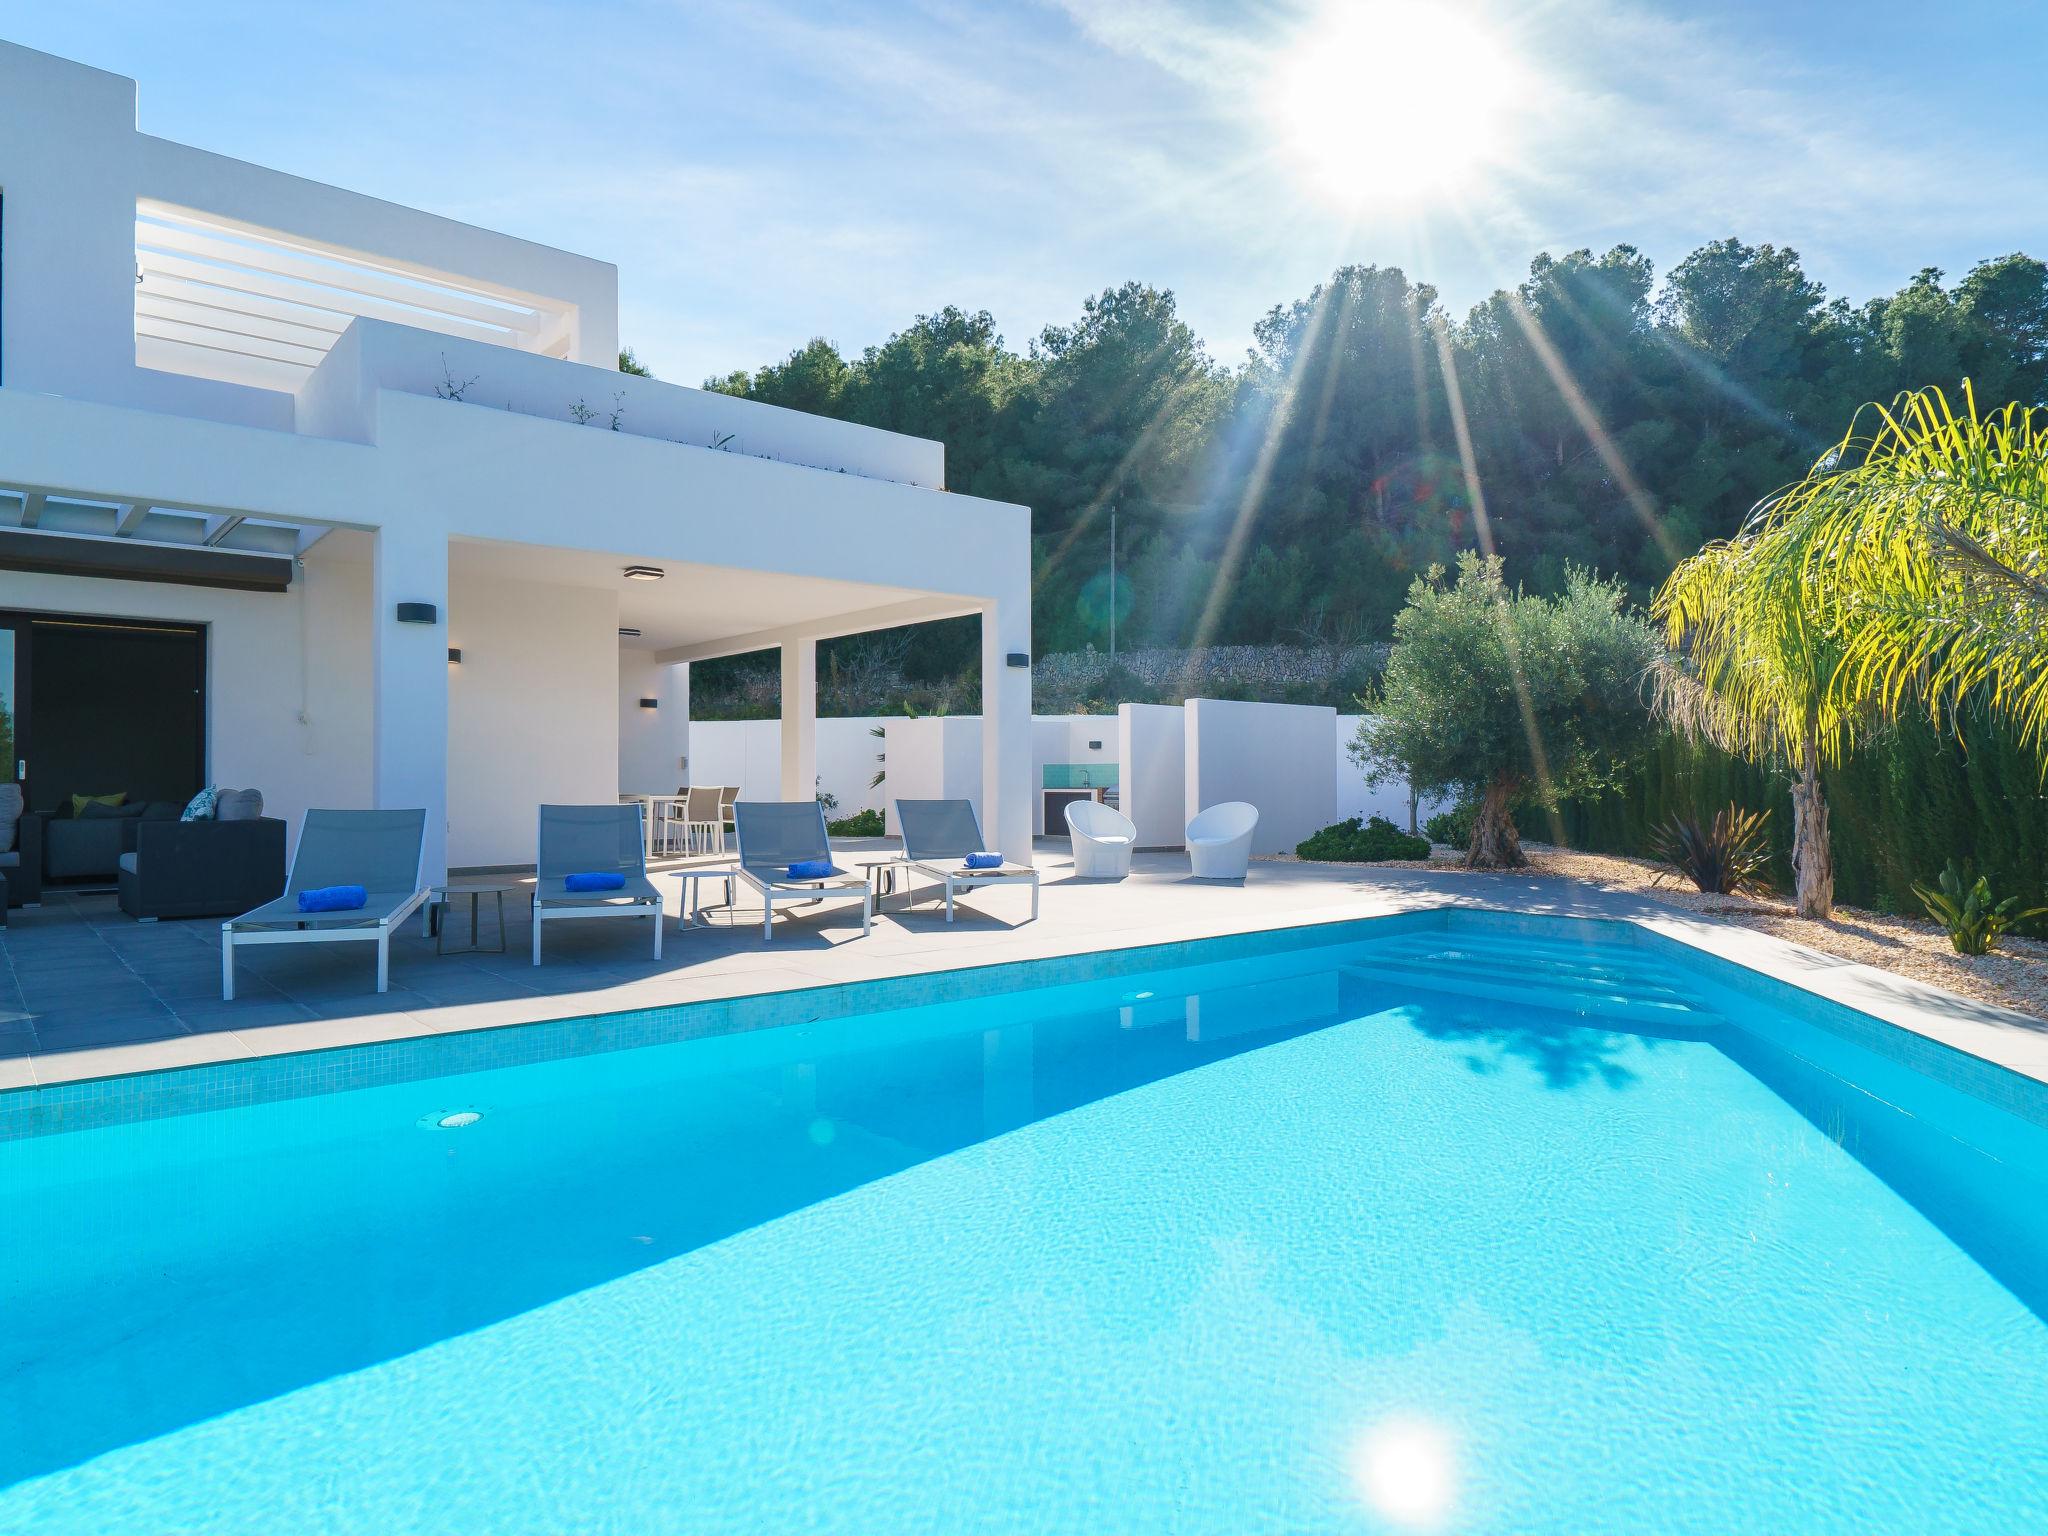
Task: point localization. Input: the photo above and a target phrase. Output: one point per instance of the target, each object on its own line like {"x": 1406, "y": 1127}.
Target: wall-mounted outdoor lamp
{"x": 1020, "y": 659}
{"x": 418, "y": 613}
{"x": 1094, "y": 746}
{"x": 454, "y": 656}
{"x": 650, "y": 703}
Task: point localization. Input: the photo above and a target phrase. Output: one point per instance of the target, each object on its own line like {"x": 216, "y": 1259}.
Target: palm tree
{"x": 1754, "y": 672}
{"x": 1909, "y": 565}
{"x": 1927, "y": 542}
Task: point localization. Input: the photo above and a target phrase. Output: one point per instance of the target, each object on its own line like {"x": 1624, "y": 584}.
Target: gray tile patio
{"x": 86, "y": 992}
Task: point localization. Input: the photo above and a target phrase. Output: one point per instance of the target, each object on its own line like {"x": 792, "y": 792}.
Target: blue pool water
{"x": 1473, "y": 1228}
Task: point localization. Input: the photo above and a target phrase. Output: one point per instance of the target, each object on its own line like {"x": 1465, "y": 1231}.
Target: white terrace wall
{"x": 1276, "y": 756}
{"x": 1152, "y": 751}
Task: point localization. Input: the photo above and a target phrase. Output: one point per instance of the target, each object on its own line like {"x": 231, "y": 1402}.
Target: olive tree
{"x": 1509, "y": 699}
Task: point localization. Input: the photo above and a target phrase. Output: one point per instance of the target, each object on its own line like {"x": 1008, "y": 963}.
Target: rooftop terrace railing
{"x": 374, "y": 355}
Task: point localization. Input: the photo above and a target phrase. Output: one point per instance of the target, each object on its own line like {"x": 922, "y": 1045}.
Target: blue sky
{"x": 765, "y": 172}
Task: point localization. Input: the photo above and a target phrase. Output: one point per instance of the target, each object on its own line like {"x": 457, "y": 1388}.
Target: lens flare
{"x": 1392, "y": 102}
{"x": 1406, "y": 1470}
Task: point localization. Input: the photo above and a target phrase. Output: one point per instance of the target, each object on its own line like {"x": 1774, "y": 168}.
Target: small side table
{"x": 693, "y": 879}
{"x": 444, "y": 896}
{"x": 882, "y": 873}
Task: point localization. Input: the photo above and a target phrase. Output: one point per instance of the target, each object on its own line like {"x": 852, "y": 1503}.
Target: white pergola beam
{"x": 130, "y": 518}
{"x": 218, "y": 528}
{"x": 228, "y": 259}
{"x": 31, "y": 508}
{"x": 229, "y": 286}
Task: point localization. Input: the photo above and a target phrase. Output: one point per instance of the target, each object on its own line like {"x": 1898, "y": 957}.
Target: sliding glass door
{"x": 13, "y": 716}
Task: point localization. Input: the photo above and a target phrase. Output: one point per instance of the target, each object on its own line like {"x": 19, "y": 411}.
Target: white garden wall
{"x": 937, "y": 758}
{"x": 749, "y": 753}
{"x": 1152, "y": 748}
{"x": 1087, "y": 739}
{"x": 1276, "y": 756}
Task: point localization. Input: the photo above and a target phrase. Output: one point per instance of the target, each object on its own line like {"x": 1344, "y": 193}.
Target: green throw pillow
{"x": 80, "y": 802}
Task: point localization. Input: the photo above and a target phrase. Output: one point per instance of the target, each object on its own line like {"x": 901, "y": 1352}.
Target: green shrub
{"x": 859, "y": 824}
{"x": 1453, "y": 826}
{"x": 1965, "y": 907}
{"x": 1356, "y": 842}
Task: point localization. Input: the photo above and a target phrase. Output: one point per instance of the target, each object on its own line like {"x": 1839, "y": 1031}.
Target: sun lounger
{"x": 938, "y": 835}
{"x": 773, "y": 835}
{"x": 597, "y": 840}
{"x": 377, "y": 850}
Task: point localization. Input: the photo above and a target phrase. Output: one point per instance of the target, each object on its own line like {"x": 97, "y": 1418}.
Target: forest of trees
{"x": 1610, "y": 421}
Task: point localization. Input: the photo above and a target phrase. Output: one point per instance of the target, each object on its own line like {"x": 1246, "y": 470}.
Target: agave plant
{"x": 1965, "y": 907}
{"x": 1722, "y": 857}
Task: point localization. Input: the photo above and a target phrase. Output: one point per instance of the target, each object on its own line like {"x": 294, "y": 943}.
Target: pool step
{"x": 1568, "y": 978}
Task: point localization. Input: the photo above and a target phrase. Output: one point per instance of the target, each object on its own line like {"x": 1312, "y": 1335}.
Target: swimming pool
{"x": 1448, "y": 1222}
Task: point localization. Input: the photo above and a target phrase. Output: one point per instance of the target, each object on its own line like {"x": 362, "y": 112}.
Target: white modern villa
{"x": 386, "y": 522}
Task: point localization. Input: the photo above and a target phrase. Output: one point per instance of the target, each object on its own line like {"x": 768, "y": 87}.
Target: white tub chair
{"x": 1103, "y": 840}
{"x": 1220, "y": 840}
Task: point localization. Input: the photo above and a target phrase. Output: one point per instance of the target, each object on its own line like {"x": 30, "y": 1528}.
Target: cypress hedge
{"x": 1910, "y": 799}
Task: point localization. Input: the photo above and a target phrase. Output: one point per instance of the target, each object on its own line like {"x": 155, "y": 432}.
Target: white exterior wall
{"x": 288, "y": 699}
{"x": 1153, "y": 750}
{"x": 836, "y": 530}
{"x": 653, "y": 743}
{"x": 532, "y": 717}
{"x": 1276, "y": 756}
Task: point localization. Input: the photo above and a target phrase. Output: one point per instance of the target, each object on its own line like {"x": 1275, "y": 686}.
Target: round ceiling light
{"x": 644, "y": 573}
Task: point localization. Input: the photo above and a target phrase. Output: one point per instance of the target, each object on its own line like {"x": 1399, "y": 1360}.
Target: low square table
{"x": 444, "y": 896}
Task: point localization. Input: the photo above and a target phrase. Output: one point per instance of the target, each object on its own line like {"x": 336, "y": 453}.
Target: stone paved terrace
{"x": 86, "y": 992}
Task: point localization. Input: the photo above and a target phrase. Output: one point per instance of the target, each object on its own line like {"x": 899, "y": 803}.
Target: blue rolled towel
{"x": 333, "y": 898}
{"x": 595, "y": 880}
{"x": 984, "y": 861}
{"x": 811, "y": 869}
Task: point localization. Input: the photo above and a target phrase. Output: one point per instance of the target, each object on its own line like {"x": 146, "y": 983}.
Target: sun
{"x": 1391, "y": 101}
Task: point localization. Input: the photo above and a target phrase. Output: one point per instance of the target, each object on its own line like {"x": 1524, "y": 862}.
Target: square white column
{"x": 409, "y": 685}
{"x": 799, "y": 719}
{"x": 1006, "y": 787}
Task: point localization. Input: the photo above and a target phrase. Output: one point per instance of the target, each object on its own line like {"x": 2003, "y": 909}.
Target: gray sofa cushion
{"x": 10, "y": 815}
{"x": 238, "y": 805}
{"x": 128, "y": 862}
{"x": 11, "y": 859}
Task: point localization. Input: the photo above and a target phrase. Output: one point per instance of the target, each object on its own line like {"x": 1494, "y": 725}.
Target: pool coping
{"x": 1994, "y": 1054}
